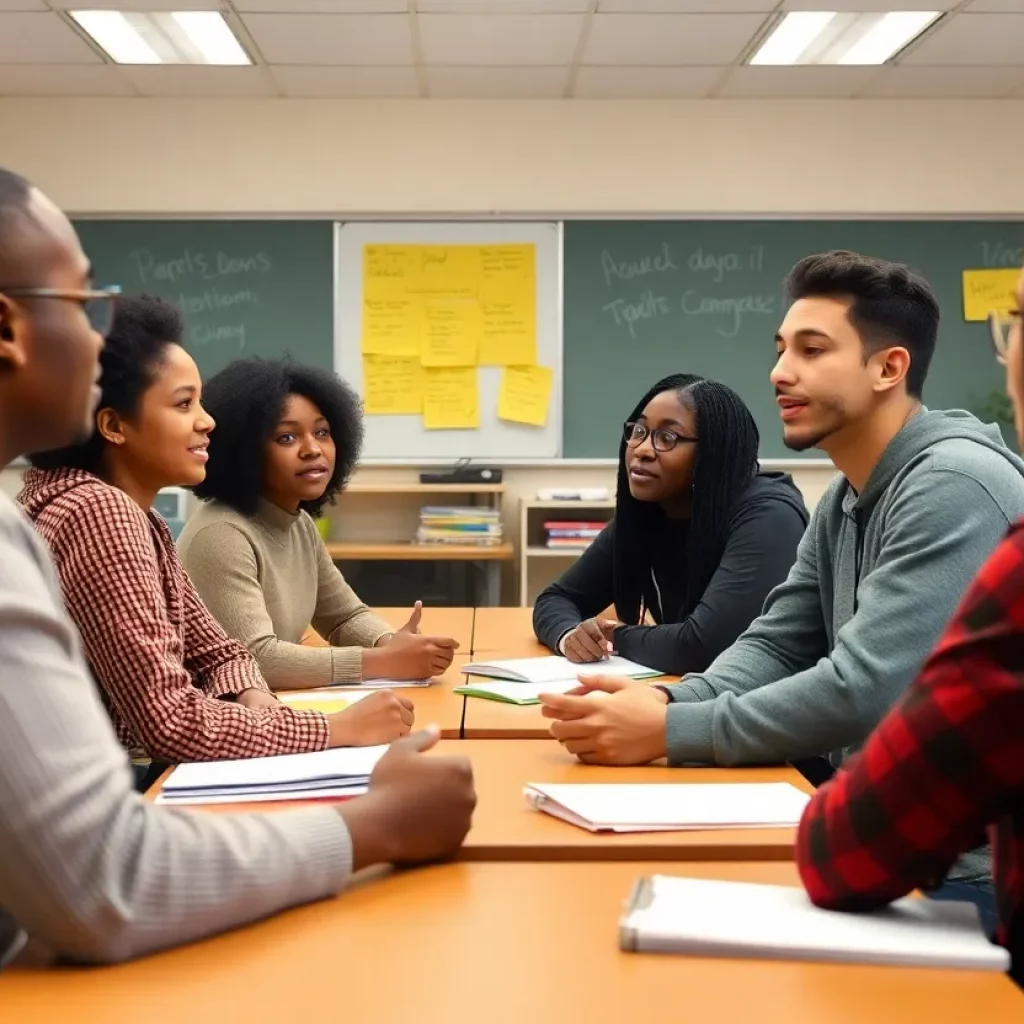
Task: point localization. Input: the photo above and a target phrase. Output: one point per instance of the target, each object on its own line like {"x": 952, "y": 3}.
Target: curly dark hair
{"x": 143, "y": 328}
{"x": 726, "y": 462}
{"x": 890, "y": 304}
{"x": 247, "y": 399}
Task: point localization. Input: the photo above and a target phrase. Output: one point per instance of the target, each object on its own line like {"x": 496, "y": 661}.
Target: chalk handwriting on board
{"x": 733, "y": 309}
{"x": 649, "y": 307}
{"x": 995, "y": 254}
{"x": 627, "y": 270}
{"x": 721, "y": 263}
{"x": 212, "y": 282}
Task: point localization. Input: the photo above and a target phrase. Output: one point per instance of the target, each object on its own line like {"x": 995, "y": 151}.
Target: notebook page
{"x": 516, "y": 692}
{"x": 685, "y": 805}
{"x": 337, "y": 763}
{"x": 747, "y": 919}
{"x": 555, "y": 669}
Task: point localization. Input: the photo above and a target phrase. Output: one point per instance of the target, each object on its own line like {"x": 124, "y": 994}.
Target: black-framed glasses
{"x": 662, "y": 440}
{"x": 97, "y": 303}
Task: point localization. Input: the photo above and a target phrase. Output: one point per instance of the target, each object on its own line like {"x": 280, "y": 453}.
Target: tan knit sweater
{"x": 267, "y": 579}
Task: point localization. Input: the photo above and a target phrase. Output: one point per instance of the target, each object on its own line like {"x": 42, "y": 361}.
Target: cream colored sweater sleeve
{"x": 222, "y": 564}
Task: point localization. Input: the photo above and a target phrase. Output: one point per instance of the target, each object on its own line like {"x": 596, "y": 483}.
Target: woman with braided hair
{"x": 699, "y": 538}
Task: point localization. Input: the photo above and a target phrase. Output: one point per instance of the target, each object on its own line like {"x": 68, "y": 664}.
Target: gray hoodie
{"x": 877, "y": 577}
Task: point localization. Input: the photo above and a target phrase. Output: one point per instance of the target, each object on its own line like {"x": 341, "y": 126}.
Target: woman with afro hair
{"x": 287, "y": 440}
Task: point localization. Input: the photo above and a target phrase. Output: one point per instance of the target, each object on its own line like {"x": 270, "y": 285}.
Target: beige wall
{"x": 557, "y": 157}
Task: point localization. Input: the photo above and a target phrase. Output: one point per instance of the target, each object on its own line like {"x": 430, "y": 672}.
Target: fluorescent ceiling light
{"x": 163, "y": 37}
{"x": 834, "y": 37}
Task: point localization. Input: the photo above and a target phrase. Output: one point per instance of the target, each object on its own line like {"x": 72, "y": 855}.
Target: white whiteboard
{"x": 403, "y": 437}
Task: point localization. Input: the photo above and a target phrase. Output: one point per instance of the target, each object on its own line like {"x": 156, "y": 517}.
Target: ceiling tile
{"x": 362, "y": 83}
{"x": 42, "y": 39}
{"x": 23, "y": 5}
{"x": 201, "y": 81}
{"x": 510, "y": 39}
{"x": 978, "y": 39}
{"x": 904, "y": 81}
{"x": 503, "y": 6}
{"x": 137, "y": 5}
{"x": 331, "y": 39}
{"x": 785, "y": 82}
{"x": 669, "y": 40}
{"x": 854, "y": 6}
{"x": 686, "y": 6}
{"x": 497, "y": 83}
{"x": 322, "y": 6}
{"x": 645, "y": 83}
{"x": 63, "y": 80}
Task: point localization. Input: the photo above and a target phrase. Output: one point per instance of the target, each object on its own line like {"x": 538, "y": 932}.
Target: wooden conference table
{"x": 501, "y": 943}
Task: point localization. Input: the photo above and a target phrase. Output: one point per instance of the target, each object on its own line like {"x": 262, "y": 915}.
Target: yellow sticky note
{"x": 392, "y": 385}
{"x": 509, "y": 335}
{"x": 391, "y": 327}
{"x": 389, "y": 271}
{"x": 524, "y": 395}
{"x": 326, "y": 707}
{"x": 989, "y": 291}
{"x": 450, "y": 333}
{"x": 446, "y": 271}
{"x": 451, "y": 398}
{"x": 505, "y": 270}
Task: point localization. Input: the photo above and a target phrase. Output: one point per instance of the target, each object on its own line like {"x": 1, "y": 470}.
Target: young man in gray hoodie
{"x": 923, "y": 499}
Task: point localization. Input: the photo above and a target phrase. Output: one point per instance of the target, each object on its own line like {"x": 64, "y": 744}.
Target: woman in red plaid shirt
{"x": 178, "y": 689}
{"x": 947, "y": 762}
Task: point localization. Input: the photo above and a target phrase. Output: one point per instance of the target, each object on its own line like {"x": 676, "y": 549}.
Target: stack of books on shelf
{"x": 455, "y": 524}
{"x": 571, "y": 536}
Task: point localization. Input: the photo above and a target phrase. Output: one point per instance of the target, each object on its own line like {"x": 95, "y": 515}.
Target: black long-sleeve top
{"x": 765, "y": 527}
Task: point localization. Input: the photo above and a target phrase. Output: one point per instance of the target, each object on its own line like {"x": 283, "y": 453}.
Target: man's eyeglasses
{"x": 661, "y": 440}
{"x": 98, "y": 304}
{"x": 1000, "y": 325}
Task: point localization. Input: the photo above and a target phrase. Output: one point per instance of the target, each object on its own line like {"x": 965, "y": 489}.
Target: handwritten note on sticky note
{"x": 451, "y": 398}
{"x": 392, "y": 385}
{"x": 989, "y": 291}
{"x": 524, "y": 395}
{"x": 509, "y": 335}
{"x": 450, "y": 333}
{"x": 390, "y": 327}
{"x": 388, "y": 271}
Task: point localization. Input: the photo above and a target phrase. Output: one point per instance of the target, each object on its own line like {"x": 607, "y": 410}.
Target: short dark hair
{"x": 143, "y": 328}
{"x": 726, "y": 462}
{"x": 247, "y": 399}
{"x": 890, "y": 304}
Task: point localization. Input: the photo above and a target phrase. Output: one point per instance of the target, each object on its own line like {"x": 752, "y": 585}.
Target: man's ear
{"x": 13, "y": 354}
{"x": 892, "y": 366}
{"x": 109, "y": 425}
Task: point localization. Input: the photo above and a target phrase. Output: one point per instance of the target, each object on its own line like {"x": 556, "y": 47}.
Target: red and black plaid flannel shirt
{"x": 944, "y": 764}
{"x": 159, "y": 655}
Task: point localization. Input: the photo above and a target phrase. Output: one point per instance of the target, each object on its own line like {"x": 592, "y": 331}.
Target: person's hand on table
{"x": 623, "y": 725}
{"x": 418, "y": 808}
{"x": 258, "y": 699}
{"x": 379, "y": 718}
{"x": 590, "y": 641}
{"x": 409, "y": 655}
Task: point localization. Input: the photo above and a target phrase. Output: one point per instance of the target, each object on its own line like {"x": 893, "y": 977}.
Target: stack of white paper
{"x": 382, "y": 684}
{"x": 743, "y": 919}
{"x": 684, "y": 807}
{"x": 342, "y": 772}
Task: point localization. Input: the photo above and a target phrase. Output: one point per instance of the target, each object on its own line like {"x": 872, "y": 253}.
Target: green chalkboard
{"x": 644, "y": 299}
{"x": 246, "y": 287}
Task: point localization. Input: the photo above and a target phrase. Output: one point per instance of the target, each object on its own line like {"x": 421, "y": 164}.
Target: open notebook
{"x": 744, "y": 919}
{"x": 670, "y": 807}
{"x": 553, "y": 668}
{"x": 341, "y": 772}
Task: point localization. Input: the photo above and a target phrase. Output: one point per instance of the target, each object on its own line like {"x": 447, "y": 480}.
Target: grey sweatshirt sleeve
{"x": 753, "y": 710}
{"x": 763, "y": 540}
{"x": 90, "y": 871}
